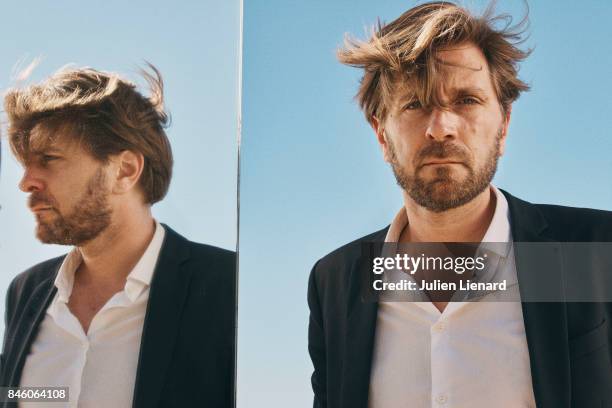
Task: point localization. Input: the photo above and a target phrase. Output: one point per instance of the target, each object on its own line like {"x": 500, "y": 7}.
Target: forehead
{"x": 463, "y": 65}
{"x": 466, "y": 55}
{"x": 459, "y": 69}
{"x": 49, "y": 136}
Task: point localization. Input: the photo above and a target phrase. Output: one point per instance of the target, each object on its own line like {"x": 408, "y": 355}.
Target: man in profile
{"x": 437, "y": 89}
{"x": 134, "y": 315}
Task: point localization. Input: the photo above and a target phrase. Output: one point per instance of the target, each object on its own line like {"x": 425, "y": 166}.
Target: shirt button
{"x": 440, "y": 326}
{"x": 441, "y": 399}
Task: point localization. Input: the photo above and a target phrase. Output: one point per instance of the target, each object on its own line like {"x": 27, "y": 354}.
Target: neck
{"x": 113, "y": 254}
{"x": 467, "y": 223}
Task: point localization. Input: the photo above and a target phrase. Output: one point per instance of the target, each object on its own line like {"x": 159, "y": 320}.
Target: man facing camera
{"x": 135, "y": 315}
{"x": 437, "y": 89}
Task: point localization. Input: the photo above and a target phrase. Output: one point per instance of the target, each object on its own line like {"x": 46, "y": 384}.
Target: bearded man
{"x": 135, "y": 315}
{"x": 437, "y": 89}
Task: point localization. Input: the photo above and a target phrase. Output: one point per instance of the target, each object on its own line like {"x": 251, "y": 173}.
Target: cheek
{"x": 406, "y": 141}
{"x": 483, "y": 152}
{"x": 66, "y": 192}
{"x": 63, "y": 198}
{"x": 405, "y": 149}
{"x": 480, "y": 135}
{"x": 492, "y": 121}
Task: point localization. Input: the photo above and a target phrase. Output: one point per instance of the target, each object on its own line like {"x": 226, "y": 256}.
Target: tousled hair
{"x": 104, "y": 112}
{"x": 402, "y": 53}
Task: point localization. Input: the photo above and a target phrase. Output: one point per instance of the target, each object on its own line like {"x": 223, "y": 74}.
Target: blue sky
{"x": 195, "y": 46}
{"x": 312, "y": 177}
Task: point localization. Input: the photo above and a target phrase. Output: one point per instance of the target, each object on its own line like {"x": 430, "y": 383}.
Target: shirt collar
{"x": 65, "y": 276}
{"x": 499, "y": 228}
{"x": 137, "y": 281}
{"x": 141, "y": 275}
{"x": 498, "y": 231}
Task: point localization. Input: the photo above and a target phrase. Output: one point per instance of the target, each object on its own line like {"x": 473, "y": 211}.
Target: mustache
{"x": 442, "y": 150}
{"x": 37, "y": 198}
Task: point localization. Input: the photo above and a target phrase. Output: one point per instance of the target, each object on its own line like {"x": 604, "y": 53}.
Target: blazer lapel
{"x": 361, "y": 327}
{"x": 27, "y": 327}
{"x": 168, "y": 292}
{"x": 545, "y": 322}
{"x": 359, "y": 339}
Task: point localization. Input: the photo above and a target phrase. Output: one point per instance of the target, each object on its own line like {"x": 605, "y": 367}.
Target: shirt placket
{"x": 440, "y": 369}
{"x": 69, "y": 323}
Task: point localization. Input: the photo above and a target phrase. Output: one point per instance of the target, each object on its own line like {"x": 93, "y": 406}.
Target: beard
{"x": 442, "y": 192}
{"x": 89, "y": 217}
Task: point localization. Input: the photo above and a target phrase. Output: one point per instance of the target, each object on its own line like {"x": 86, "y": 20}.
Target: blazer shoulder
{"x": 563, "y": 223}
{"x": 582, "y": 214}
{"x": 24, "y": 285}
{"x": 198, "y": 253}
{"x": 210, "y": 250}
{"x": 578, "y": 224}
{"x": 27, "y": 280}
{"x": 345, "y": 256}
{"x": 212, "y": 255}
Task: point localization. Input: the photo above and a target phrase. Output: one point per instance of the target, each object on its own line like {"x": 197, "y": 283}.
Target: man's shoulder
{"x": 197, "y": 249}
{"x": 589, "y": 216}
{"x": 346, "y": 255}
{"x": 211, "y": 254}
{"x": 27, "y": 280}
{"x": 572, "y": 223}
{"x": 208, "y": 261}
{"x": 578, "y": 224}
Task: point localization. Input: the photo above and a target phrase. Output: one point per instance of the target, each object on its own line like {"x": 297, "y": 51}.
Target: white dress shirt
{"x": 471, "y": 355}
{"x": 99, "y": 366}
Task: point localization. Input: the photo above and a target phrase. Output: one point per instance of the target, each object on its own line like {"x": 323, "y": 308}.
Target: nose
{"x": 30, "y": 182}
{"x": 442, "y": 125}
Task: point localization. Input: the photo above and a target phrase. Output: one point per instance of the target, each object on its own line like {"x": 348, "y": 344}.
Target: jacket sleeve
{"x": 316, "y": 344}
{"x": 609, "y": 321}
{"x": 8, "y": 314}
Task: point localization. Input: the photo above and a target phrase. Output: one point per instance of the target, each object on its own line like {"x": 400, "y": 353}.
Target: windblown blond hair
{"x": 104, "y": 112}
{"x": 403, "y": 52}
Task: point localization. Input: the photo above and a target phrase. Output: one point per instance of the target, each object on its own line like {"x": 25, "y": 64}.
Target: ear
{"x": 128, "y": 168}
{"x": 505, "y": 126}
{"x": 379, "y": 130}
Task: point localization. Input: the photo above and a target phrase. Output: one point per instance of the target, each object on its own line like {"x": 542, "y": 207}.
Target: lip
{"x": 41, "y": 209}
{"x": 440, "y": 162}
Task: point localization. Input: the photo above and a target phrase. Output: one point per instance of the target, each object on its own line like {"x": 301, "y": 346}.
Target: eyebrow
{"x": 456, "y": 65}
{"x": 469, "y": 90}
{"x": 45, "y": 150}
{"x": 454, "y": 92}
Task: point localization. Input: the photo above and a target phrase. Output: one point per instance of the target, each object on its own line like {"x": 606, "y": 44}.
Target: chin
{"x": 42, "y": 233}
{"x": 443, "y": 195}
{"x": 44, "y": 238}
{"x": 45, "y": 235}
{"x": 445, "y": 189}
{"x": 445, "y": 184}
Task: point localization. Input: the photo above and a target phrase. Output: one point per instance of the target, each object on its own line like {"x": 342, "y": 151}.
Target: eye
{"x": 46, "y": 158}
{"x": 413, "y": 105}
{"x": 468, "y": 100}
